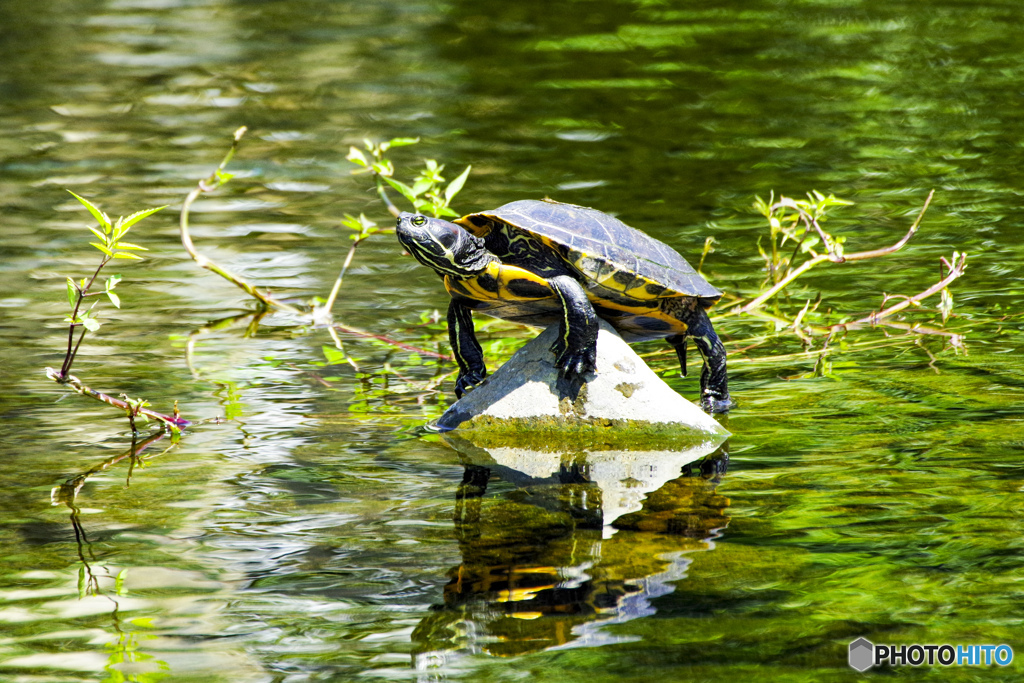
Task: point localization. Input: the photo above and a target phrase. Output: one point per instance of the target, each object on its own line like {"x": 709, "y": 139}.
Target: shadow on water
{"x": 557, "y": 546}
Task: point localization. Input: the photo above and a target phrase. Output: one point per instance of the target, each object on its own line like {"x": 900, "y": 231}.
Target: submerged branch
{"x": 390, "y": 341}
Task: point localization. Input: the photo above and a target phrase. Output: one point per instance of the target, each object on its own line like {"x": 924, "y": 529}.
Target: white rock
{"x": 624, "y": 393}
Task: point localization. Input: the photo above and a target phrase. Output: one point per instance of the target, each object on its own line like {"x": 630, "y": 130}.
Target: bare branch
{"x": 174, "y": 423}
{"x": 382, "y": 192}
{"x": 861, "y": 255}
{"x": 955, "y": 271}
{"x": 214, "y": 181}
{"x": 341, "y": 276}
{"x": 857, "y": 256}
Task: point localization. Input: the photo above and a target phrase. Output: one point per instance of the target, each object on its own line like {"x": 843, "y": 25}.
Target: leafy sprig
{"x": 111, "y": 243}
{"x": 428, "y": 191}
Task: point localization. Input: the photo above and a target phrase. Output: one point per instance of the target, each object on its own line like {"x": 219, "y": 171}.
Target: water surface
{"x": 319, "y": 534}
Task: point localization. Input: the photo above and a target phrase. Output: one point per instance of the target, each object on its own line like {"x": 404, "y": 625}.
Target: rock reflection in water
{"x": 557, "y": 546}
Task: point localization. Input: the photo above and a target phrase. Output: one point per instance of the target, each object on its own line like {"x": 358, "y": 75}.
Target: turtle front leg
{"x": 714, "y": 380}
{"x": 576, "y": 348}
{"x": 465, "y": 347}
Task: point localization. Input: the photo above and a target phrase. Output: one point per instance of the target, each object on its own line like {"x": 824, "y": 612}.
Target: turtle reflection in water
{"x": 544, "y": 262}
{"x": 539, "y": 567}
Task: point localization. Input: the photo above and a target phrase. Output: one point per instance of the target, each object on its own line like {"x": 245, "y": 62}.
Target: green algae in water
{"x": 551, "y": 434}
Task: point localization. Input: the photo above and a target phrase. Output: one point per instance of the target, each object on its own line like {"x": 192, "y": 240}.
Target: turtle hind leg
{"x": 678, "y": 342}
{"x": 714, "y": 378}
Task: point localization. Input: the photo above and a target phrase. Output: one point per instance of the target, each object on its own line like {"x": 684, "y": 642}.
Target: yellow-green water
{"x": 320, "y": 535}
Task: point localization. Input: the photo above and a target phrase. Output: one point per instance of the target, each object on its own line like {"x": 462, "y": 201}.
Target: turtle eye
{"x": 418, "y": 221}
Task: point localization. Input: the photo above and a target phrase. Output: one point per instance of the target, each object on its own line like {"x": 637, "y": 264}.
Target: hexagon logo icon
{"x": 862, "y": 654}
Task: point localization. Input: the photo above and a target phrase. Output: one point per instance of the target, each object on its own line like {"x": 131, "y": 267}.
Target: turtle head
{"x": 445, "y": 247}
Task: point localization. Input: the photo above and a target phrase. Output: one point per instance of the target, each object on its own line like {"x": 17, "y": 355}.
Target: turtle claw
{"x": 711, "y": 405}
{"x": 466, "y": 383}
{"x": 572, "y": 366}
{"x": 575, "y": 362}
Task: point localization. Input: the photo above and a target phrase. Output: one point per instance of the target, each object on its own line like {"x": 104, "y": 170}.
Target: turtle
{"x": 542, "y": 262}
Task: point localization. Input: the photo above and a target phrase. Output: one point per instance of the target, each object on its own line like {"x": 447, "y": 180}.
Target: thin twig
{"x": 390, "y": 341}
{"x": 341, "y": 276}
{"x": 955, "y": 271}
{"x": 382, "y": 192}
{"x": 69, "y": 358}
{"x": 856, "y": 256}
{"x": 215, "y": 180}
{"x": 173, "y": 423}
{"x": 860, "y": 255}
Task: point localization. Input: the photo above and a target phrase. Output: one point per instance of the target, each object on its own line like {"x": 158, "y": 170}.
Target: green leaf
{"x": 762, "y": 207}
{"x": 333, "y": 355}
{"x": 384, "y": 168}
{"x": 362, "y": 225}
{"x": 100, "y": 217}
{"x": 441, "y": 211}
{"x": 102, "y": 248}
{"x": 456, "y": 185}
{"x": 809, "y": 243}
{"x": 118, "y": 232}
{"x": 114, "y": 298}
{"x": 112, "y": 282}
{"x": 402, "y": 142}
{"x": 404, "y": 189}
{"x": 72, "y": 293}
{"x": 91, "y": 324}
{"x": 129, "y": 245}
{"x": 761, "y": 250}
{"x": 119, "y": 582}
{"x": 422, "y": 185}
{"x": 101, "y": 235}
{"x": 357, "y": 157}
{"x": 138, "y": 216}
{"x": 125, "y": 254}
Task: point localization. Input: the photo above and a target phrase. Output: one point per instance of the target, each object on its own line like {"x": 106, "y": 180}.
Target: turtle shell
{"x": 604, "y": 250}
